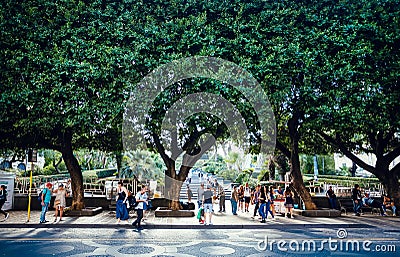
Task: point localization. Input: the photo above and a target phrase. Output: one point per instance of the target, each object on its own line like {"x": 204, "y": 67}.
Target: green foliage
{"x": 229, "y": 175}
{"x": 326, "y": 164}
{"x": 49, "y": 170}
{"x": 263, "y": 174}
{"x": 242, "y": 178}
{"x": 143, "y": 165}
{"x": 213, "y": 167}
{"x": 67, "y": 67}
{"x": 94, "y": 159}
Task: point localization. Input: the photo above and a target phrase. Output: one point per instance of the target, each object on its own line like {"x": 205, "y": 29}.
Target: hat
{"x": 60, "y": 185}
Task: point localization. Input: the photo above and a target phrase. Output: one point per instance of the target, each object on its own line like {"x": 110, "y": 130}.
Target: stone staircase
{"x": 196, "y": 184}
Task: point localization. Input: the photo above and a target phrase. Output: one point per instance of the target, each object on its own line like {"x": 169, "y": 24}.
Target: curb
{"x": 177, "y": 226}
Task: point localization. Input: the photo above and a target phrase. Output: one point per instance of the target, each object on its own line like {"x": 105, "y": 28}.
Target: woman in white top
{"x": 247, "y": 197}
{"x": 60, "y": 201}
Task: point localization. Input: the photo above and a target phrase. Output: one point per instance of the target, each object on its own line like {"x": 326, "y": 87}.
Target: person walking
{"x": 255, "y": 200}
{"x": 200, "y": 192}
{"x": 263, "y": 203}
{"x": 221, "y": 195}
{"x": 357, "y": 199}
{"x": 208, "y": 205}
{"x": 241, "y": 197}
{"x": 60, "y": 202}
{"x": 234, "y": 200}
{"x": 46, "y": 198}
{"x": 3, "y": 199}
{"x": 141, "y": 198}
{"x": 189, "y": 194}
{"x": 269, "y": 202}
{"x": 247, "y": 197}
{"x": 289, "y": 202}
{"x": 121, "y": 210}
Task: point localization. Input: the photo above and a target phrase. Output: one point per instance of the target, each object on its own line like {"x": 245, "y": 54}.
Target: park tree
{"x": 358, "y": 110}
{"x": 68, "y": 67}
{"x": 65, "y": 66}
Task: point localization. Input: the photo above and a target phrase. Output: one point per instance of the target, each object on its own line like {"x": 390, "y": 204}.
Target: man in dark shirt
{"x": 208, "y": 206}
{"x": 221, "y": 194}
{"x": 331, "y": 197}
{"x": 255, "y": 200}
{"x": 357, "y": 200}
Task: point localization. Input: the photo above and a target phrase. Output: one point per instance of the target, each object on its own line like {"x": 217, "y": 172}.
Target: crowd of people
{"x": 258, "y": 200}
{"x": 262, "y": 198}
{"x": 125, "y": 202}
{"x": 243, "y": 197}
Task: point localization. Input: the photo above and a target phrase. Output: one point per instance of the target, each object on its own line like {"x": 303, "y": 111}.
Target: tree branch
{"x": 283, "y": 149}
{"x": 396, "y": 169}
{"x": 161, "y": 150}
{"x": 389, "y": 157}
{"x": 338, "y": 144}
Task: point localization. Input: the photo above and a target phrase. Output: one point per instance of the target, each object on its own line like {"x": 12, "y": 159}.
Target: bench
{"x": 323, "y": 202}
{"x": 346, "y": 204}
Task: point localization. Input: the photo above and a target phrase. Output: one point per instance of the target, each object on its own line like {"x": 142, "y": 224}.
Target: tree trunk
{"x": 392, "y": 187}
{"x": 298, "y": 183}
{"x": 118, "y": 157}
{"x": 75, "y": 172}
{"x": 297, "y": 178}
{"x": 173, "y": 185}
{"x": 172, "y": 192}
{"x": 271, "y": 168}
{"x": 389, "y": 180}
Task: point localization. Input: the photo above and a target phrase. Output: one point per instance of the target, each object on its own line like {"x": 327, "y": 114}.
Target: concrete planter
{"x": 165, "y": 212}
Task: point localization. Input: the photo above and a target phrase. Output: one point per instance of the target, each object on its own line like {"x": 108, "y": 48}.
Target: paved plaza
{"x": 228, "y": 236}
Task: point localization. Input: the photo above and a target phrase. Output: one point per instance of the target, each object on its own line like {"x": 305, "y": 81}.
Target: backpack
{"x": 3, "y": 195}
{"x": 40, "y": 195}
{"x": 132, "y": 200}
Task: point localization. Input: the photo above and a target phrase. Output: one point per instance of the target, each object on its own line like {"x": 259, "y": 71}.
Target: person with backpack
{"x": 45, "y": 201}
{"x": 141, "y": 198}
{"x": 3, "y": 199}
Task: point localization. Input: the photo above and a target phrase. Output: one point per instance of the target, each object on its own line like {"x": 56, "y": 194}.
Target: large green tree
{"x": 67, "y": 67}
{"x": 64, "y": 69}
{"x": 358, "y": 109}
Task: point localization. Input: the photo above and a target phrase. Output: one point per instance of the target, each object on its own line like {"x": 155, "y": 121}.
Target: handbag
{"x": 57, "y": 202}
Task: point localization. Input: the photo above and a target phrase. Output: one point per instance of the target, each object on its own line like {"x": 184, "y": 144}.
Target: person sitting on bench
{"x": 388, "y": 203}
{"x": 331, "y": 197}
{"x": 373, "y": 203}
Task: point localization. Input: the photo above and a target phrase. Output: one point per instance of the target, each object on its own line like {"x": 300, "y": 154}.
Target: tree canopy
{"x": 328, "y": 67}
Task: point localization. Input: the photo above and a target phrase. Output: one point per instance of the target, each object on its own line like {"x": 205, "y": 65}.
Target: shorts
{"x": 208, "y": 207}
{"x": 247, "y": 199}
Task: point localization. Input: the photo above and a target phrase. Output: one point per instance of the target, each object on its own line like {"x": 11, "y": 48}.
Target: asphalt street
{"x": 125, "y": 241}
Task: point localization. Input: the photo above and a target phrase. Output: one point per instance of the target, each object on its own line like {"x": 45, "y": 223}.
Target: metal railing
{"x": 91, "y": 185}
